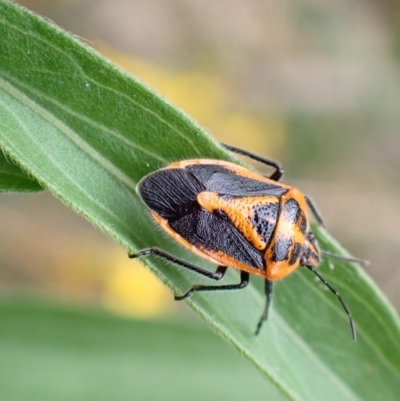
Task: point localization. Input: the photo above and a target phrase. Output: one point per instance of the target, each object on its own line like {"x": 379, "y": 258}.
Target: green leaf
{"x": 89, "y": 132}
{"x": 13, "y": 179}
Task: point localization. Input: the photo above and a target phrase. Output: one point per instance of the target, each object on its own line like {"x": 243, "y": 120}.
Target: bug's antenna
{"x": 347, "y": 258}
{"x": 345, "y": 307}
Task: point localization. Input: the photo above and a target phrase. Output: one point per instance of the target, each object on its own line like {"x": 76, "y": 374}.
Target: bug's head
{"x": 310, "y": 255}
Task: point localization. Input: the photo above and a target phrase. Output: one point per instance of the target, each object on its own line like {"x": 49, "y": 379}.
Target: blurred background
{"x": 313, "y": 84}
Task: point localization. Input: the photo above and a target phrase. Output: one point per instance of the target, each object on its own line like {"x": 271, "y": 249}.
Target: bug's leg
{"x": 217, "y": 275}
{"x": 276, "y": 175}
{"x": 344, "y": 305}
{"x": 244, "y": 280}
{"x": 314, "y": 211}
{"x": 264, "y": 316}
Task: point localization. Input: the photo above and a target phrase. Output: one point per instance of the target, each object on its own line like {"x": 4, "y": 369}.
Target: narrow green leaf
{"x": 13, "y": 179}
{"x": 89, "y": 132}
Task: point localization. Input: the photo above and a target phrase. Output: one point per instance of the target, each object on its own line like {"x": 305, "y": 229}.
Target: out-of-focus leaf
{"x": 61, "y": 354}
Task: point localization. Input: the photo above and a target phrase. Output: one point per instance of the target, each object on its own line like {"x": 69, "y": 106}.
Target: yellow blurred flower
{"x": 132, "y": 290}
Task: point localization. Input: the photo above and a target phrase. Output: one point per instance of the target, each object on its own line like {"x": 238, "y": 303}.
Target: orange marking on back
{"x": 240, "y": 211}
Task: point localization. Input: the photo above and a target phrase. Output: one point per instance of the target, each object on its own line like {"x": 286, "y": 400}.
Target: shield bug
{"x": 233, "y": 217}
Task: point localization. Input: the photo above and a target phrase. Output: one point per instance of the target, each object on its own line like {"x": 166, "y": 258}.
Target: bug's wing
{"x": 217, "y": 178}
{"x": 212, "y": 233}
{"x": 170, "y": 192}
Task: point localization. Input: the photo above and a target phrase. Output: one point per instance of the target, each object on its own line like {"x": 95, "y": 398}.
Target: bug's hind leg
{"x": 217, "y": 275}
{"x": 244, "y": 280}
{"x": 264, "y": 316}
{"x": 276, "y": 175}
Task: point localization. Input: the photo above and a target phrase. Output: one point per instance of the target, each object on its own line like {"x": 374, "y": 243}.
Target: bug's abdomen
{"x": 285, "y": 249}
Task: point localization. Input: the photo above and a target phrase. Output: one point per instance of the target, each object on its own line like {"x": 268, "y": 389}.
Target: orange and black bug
{"x": 234, "y": 217}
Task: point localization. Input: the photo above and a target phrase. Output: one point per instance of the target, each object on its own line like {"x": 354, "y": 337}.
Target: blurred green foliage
{"x": 58, "y": 353}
